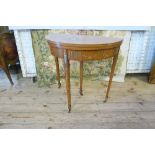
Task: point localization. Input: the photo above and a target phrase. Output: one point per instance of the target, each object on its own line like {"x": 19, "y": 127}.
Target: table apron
{"x": 85, "y": 55}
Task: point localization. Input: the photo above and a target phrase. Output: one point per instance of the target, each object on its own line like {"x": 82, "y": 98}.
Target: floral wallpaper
{"x": 45, "y": 64}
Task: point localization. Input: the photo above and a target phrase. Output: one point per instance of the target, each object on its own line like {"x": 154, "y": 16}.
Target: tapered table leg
{"x": 67, "y": 77}
{"x": 81, "y": 77}
{"x": 57, "y": 71}
{"x": 6, "y": 69}
{"x": 111, "y": 76}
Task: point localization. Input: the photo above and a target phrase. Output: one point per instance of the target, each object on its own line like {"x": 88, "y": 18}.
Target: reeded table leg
{"x": 81, "y": 77}
{"x": 57, "y": 71}
{"x": 111, "y": 76}
{"x": 67, "y": 77}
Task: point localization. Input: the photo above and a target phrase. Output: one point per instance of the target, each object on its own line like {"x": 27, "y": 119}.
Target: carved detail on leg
{"x": 81, "y": 77}
{"x": 57, "y": 71}
{"x": 67, "y": 77}
{"x": 111, "y": 76}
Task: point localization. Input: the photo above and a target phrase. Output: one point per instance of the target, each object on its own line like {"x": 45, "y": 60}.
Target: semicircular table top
{"x": 71, "y": 39}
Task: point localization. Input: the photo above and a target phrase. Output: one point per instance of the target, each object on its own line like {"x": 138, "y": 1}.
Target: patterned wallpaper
{"x": 45, "y": 64}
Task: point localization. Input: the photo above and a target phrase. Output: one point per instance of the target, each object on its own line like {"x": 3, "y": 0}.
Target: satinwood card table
{"x": 82, "y": 48}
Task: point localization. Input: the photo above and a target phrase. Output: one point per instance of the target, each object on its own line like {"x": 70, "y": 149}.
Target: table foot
{"x": 69, "y": 108}
{"x": 81, "y": 93}
{"x": 106, "y": 98}
{"x": 59, "y": 85}
{"x": 11, "y": 82}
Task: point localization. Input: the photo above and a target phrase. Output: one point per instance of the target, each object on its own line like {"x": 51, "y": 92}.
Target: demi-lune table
{"x": 82, "y": 48}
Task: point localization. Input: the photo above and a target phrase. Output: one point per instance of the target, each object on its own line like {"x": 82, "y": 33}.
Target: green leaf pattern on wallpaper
{"x": 45, "y": 64}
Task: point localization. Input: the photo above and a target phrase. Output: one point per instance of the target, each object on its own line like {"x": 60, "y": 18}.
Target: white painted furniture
{"x": 141, "y": 51}
{"x": 25, "y": 52}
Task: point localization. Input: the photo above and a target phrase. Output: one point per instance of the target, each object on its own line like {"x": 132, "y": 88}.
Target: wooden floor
{"x": 130, "y": 105}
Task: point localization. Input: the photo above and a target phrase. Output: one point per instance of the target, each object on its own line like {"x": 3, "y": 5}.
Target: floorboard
{"x": 26, "y": 106}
